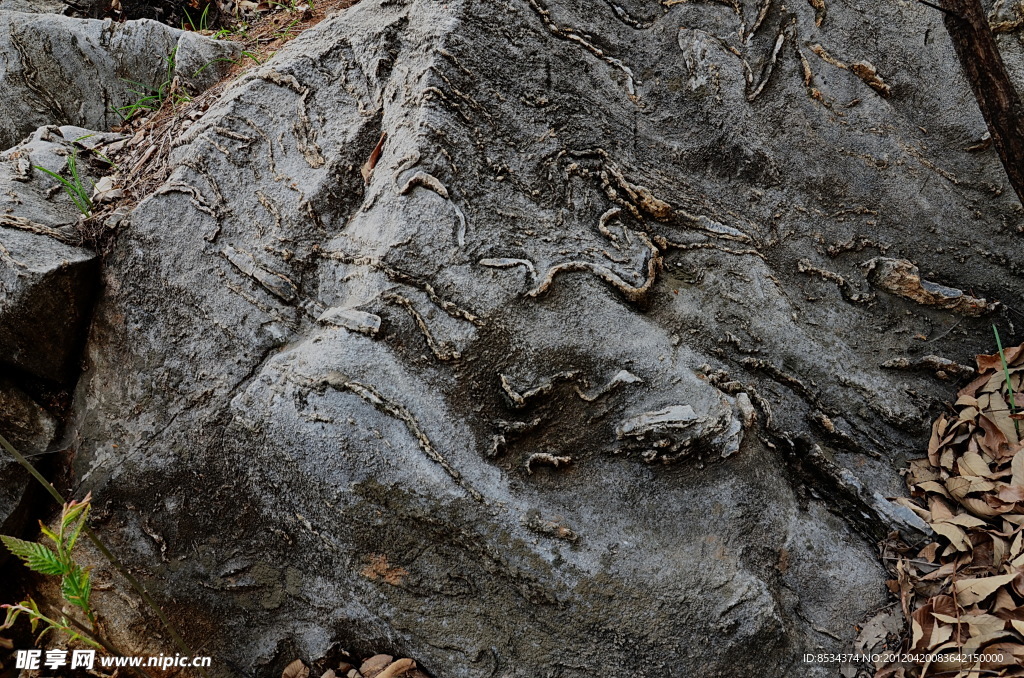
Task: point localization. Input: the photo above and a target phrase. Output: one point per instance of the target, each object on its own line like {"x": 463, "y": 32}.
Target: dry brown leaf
{"x": 971, "y": 464}
{"x": 972, "y": 388}
{"x": 937, "y": 441}
{"x": 1016, "y": 544}
{"x": 375, "y": 664}
{"x": 296, "y": 670}
{"x": 966, "y": 401}
{"x": 1012, "y": 653}
{"x": 1017, "y": 468}
{"x": 959, "y": 487}
{"x": 971, "y": 591}
{"x": 876, "y": 631}
{"x": 975, "y": 643}
{"x": 994, "y": 362}
{"x": 922, "y": 623}
{"x": 1011, "y": 493}
{"x": 399, "y": 668}
{"x": 983, "y": 624}
{"x": 1000, "y": 549}
{"x": 921, "y": 471}
{"x": 1004, "y": 603}
{"x": 980, "y": 507}
{"x": 946, "y": 459}
{"x": 966, "y": 520}
{"x": 939, "y": 508}
{"x": 1018, "y": 584}
{"x": 956, "y": 536}
{"x": 946, "y": 570}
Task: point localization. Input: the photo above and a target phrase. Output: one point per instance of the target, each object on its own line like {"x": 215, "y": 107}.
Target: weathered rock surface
{"x": 15, "y": 496}
{"x": 31, "y": 429}
{"x": 57, "y": 70}
{"x": 46, "y": 294}
{"x": 590, "y": 234}
{"x": 32, "y": 199}
{"x": 33, "y": 6}
{"x": 25, "y": 424}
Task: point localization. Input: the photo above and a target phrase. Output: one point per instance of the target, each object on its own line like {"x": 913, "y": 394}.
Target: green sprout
{"x": 200, "y": 26}
{"x": 154, "y": 98}
{"x": 75, "y": 584}
{"x": 74, "y": 186}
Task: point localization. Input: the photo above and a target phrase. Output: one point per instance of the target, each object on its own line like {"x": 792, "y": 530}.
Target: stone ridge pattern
{"x": 526, "y": 403}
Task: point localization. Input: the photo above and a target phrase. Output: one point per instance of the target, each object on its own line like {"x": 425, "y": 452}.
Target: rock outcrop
{"x": 536, "y": 338}
{"x": 61, "y": 70}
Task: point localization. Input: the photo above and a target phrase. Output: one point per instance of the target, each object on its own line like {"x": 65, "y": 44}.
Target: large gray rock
{"x": 346, "y": 409}
{"x": 46, "y": 294}
{"x": 65, "y": 71}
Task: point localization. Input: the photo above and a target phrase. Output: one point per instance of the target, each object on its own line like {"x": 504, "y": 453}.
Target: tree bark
{"x": 997, "y": 97}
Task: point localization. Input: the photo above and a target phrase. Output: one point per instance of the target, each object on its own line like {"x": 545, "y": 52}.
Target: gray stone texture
{"x": 66, "y": 71}
{"x": 624, "y": 233}
{"x": 46, "y": 294}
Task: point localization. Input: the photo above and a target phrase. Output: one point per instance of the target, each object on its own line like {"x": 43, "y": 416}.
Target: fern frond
{"x": 37, "y": 557}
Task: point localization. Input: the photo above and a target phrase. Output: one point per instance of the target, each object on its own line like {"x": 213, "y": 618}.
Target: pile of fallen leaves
{"x": 377, "y": 666}
{"x": 963, "y": 594}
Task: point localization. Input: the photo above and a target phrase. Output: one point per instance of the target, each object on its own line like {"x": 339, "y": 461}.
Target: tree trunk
{"x": 997, "y": 97}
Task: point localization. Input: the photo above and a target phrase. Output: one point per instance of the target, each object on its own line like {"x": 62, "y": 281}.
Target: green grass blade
{"x": 1006, "y": 375}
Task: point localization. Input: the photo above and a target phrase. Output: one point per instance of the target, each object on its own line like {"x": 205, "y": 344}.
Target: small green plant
{"x": 74, "y": 186}
{"x": 203, "y": 25}
{"x": 75, "y": 585}
{"x": 154, "y": 98}
{"x": 1006, "y": 375}
{"x": 106, "y": 553}
{"x": 287, "y": 30}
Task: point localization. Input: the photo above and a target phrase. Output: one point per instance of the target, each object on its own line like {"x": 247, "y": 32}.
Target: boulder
{"x": 46, "y": 293}
{"x": 66, "y": 71}
{"x": 534, "y": 338}
{"x": 33, "y": 6}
